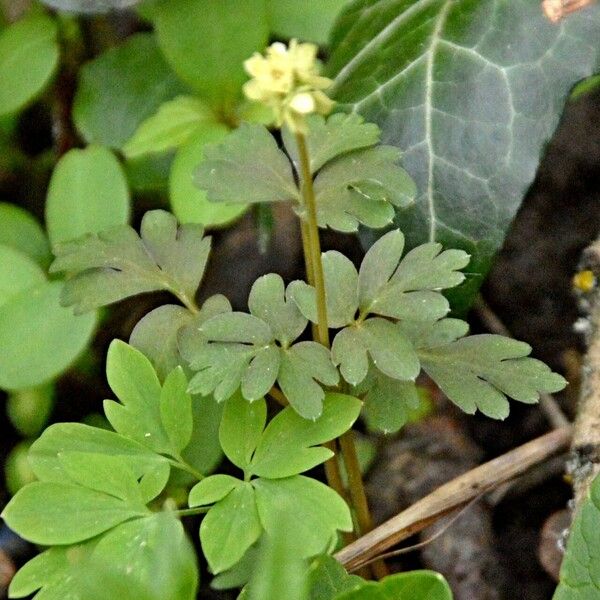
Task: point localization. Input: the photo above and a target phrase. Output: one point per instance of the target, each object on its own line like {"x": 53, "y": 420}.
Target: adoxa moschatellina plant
{"x": 345, "y": 342}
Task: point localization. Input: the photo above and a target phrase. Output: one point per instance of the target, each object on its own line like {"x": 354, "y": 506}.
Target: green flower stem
{"x": 183, "y": 466}
{"x": 190, "y": 512}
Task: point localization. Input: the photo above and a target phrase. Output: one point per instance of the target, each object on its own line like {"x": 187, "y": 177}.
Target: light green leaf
{"x": 40, "y": 511}
{"x": 479, "y": 371}
{"x": 362, "y": 187}
{"x": 28, "y": 409}
{"x": 313, "y": 512}
{"x": 229, "y": 528}
{"x": 17, "y": 470}
{"x": 188, "y": 201}
{"x": 237, "y": 327}
{"x": 120, "y": 89}
{"x": 28, "y": 57}
{"x": 388, "y": 402}
{"x": 64, "y": 438}
{"x": 87, "y": 194}
{"x": 269, "y": 302}
{"x": 326, "y": 140}
{"x": 20, "y": 230}
{"x": 18, "y": 272}
{"x": 388, "y": 347}
{"x": 102, "y": 473}
{"x": 241, "y": 429}
{"x": 212, "y": 489}
{"x": 133, "y": 379}
{"x": 579, "y": 574}
{"x": 291, "y": 444}
{"x": 155, "y": 335}
{"x": 341, "y": 281}
{"x": 32, "y": 322}
{"x": 436, "y": 333}
{"x": 327, "y": 578}
{"x": 246, "y": 167}
{"x": 206, "y": 43}
{"x": 471, "y": 91}
{"x": 170, "y": 127}
{"x": 302, "y": 366}
{"x": 118, "y": 263}
{"x": 176, "y": 410}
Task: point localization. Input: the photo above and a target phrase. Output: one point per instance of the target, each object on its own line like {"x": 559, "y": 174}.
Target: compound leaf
{"x": 117, "y": 263}
{"x": 291, "y": 444}
{"x": 246, "y": 167}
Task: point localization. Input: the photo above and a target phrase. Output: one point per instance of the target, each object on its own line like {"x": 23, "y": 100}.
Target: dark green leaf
{"x": 32, "y": 322}
{"x": 20, "y": 230}
{"x": 241, "y": 428}
{"x": 229, "y": 528}
{"x": 120, "y": 89}
{"x": 291, "y": 444}
{"x": 118, "y": 263}
{"x": 206, "y": 43}
{"x": 188, "y": 201}
{"x": 313, "y": 513}
{"x": 53, "y": 513}
{"x": 28, "y": 57}
{"x": 87, "y": 194}
{"x": 246, "y": 167}
{"x": 471, "y": 91}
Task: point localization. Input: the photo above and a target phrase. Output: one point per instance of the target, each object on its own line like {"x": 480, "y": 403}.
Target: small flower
{"x": 287, "y": 79}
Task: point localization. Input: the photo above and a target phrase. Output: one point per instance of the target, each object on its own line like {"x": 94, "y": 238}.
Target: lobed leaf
{"x": 212, "y": 489}
{"x": 117, "y": 263}
{"x": 176, "y": 410}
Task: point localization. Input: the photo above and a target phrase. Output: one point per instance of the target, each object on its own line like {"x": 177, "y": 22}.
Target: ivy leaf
{"x": 579, "y": 570}
{"x": 229, "y": 528}
{"x": 246, "y": 167}
{"x": 176, "y": 410}
{"x": 241, "y": 428}
{"x": 29, "y": 55}
{"x": 39, "y": 511}
{"x": 212, "y": 489}
{"x": 313, "y": 512}
{"x": 362, "y": 187}
{"x": 134, "y": 381}
{"x": 291, "y": 444}
{"x": 469, "y": 98}
{"x": 326, "y": 139}
{"x": 170, "y": 127}
{"x": 388, "y": 402}
{"x": 117, "y": 263}
{"x": 480, "y": 371}
{"x": 384, "y": 342}
{"x": 87, "y": 194}
{"x": 121, "y": 88}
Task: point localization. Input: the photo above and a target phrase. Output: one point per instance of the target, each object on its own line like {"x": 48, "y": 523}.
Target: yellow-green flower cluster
{"x": 287, "y": 80}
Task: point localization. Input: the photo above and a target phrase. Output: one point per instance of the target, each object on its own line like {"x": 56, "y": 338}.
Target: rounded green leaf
{"x": 28, "y": 57}
{"x": 28, "y": 410}
{"x": 189, "y": 202}
{"x": 212, "y": 489}
{"x": 20, "y": 230}
{"x": 207, "y": 42}
{"x": 121, "y": 88}
{"x": 17, "y": 470}
{"x": 18, "y": 272}
{"x": 39, "y": 337}
{"x": 88, "y": 193}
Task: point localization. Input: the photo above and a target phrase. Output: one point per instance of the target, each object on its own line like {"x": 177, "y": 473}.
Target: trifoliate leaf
{"x": 118, "y": 263}
{"x": 312, "y": 511}
{"x": 302, "y": 366}
{"x": 135, "y": 383}
{"x": 241, "y": 428}
{"x": 383, "y": 341}
{"x": 480, "y": 371}
{"x": 176, "y": 410}
{"x": 170, "y": 127}
{"x": 291, "y": 444}
{"x": 579, "y": 574}
{"x": 362, "y": 187}
{"x": 388, "y": 401}
{"x": 327, "y": 139}
{"x": 229, "y": 528}
{"x": 40, "y": 511}
{"x": 212, "y": 489}
{"x": 341, "y": 283}
{"x": 246, "y": 167}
